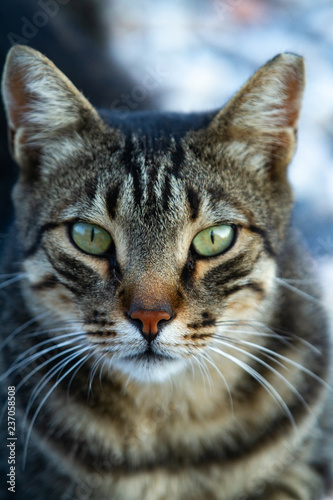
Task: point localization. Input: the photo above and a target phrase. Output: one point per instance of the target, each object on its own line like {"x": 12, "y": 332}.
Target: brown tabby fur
{"x": 240, "y": 412}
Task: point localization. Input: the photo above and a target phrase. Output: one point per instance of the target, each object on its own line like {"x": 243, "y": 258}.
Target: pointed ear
{"x": 263, "y": 115}
{"x": 41, "y": 104}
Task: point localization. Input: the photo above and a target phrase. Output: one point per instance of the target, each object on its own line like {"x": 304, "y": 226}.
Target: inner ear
{"x": 18, "y": 98}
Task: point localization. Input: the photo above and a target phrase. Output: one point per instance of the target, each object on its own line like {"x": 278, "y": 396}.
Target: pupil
{"x": 92, "y": 235}
{"x": 212, "y": 236}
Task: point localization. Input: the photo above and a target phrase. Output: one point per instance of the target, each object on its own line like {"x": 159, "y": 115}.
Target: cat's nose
{"x": 150, "y": 321}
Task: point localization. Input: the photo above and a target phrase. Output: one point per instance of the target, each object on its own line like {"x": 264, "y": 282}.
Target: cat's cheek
{"x": 58, "y": 301}
{"x": 252, "y": 303}
{"x": 244, "y": 306}
{"x": 43, "y": 291}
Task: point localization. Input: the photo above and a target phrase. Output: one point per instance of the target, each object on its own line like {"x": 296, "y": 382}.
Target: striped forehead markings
{"x": 145, "y": 159}
{"x": 111, "y": 200}
{"x": 130, "y": 162}
{"x": 154, "y": 166}
{"x": 177, "y": 158}
{"x": 193, "y": 201}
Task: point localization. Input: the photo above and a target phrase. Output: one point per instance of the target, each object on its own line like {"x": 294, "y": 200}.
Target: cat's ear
{"x": 41, "y": 104}
{"x": 263, "y": 115}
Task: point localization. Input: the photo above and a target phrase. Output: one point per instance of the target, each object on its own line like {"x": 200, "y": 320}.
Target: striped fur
{"x": 230, "y": 401}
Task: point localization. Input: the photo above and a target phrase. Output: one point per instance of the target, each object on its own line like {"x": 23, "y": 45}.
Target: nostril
{"x": 150, "y": 321}
{"x": 137, "y": 322}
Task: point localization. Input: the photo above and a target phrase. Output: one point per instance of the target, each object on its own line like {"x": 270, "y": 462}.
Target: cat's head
{"x": 152, "y": 234}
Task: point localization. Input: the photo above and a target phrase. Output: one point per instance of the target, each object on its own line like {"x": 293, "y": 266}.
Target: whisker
{"x": 303, "y": 341}
{"x": 283, "y": 335}
{"x": 206, "y": 357}
{"x": 30, "y": 374}
{"x": 276, "y": 361}
{"x": 93, "y": 372}
{"x": 286, "y": 360}
{"x": 49, "y": 341}
{"x": 12, "y": 280}
{"x": 261, "y": 380}
{"x": 39, "y": 367}
{"x": 74, "y": 375}
{"x": 48, "y": 331}
{"x": 26, "y": 444}
{"x": 241, "y": 333}
{"x": 25, "y": 325}
{"x": 299, "y": 292}
{"x": 73, "y": 320}
{"x": 271, "y": 369}
{"x": 255, "y": 332}
{"x": 202, "y": 372}
{"x": 22, "y": 361}
{"x": 102, "y": 368}
{"x": 209, "y": 378}
{"x": 192, "y": 367}
{"x": 47, "y": 377}
{"x": 299, "y": 281}
{"x": 9, "y": 275}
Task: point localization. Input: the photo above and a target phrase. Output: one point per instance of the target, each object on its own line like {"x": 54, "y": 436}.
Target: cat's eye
{"x": 90, "y": 238}
{"x": 214, "y": 240}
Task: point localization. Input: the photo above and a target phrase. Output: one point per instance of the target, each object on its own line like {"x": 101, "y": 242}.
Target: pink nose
{"x": 150, "y": 320}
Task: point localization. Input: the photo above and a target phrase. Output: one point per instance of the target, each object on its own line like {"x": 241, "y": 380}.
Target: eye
{"x": 214, "y": 240}
{"x": 90, "y": 238}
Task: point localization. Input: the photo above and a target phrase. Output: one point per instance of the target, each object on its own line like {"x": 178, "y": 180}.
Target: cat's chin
{"x": 144, "y": 369}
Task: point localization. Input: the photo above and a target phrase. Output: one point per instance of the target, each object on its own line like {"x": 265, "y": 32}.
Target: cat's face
{"x": 151, "y": 240}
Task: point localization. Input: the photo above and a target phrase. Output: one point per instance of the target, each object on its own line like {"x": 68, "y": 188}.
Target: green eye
{"x": 214, "y": 240}
{"x": 90, "y": 238}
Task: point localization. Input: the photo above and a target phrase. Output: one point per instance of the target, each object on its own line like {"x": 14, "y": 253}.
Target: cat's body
{"x": 175, "y": 370}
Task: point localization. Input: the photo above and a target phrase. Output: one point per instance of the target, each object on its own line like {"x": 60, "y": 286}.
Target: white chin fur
{"x": 149, "y": 371}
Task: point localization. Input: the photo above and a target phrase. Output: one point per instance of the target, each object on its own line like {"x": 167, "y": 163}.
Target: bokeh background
{"x": 187, "y": 55}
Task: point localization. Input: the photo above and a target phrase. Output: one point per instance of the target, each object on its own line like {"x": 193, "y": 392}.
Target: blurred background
{"x": 191, "y": 55}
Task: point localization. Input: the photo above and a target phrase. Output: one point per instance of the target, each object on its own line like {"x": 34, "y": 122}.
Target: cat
{"x": 152, "y": 335}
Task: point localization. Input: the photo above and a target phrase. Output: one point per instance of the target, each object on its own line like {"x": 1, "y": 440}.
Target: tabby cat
{"x": 151, "y": 326}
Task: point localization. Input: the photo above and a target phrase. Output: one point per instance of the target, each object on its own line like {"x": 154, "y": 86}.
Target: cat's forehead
{"x": 146, "y": 177}
{"x": 150, "y": 166}
{"x": 157, "y": 144}
{"x": 147, "y": 172}
{"x": 155, "y": 173}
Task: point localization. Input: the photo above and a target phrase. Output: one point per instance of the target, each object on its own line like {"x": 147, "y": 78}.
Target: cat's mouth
{"x": 149, "y": 356}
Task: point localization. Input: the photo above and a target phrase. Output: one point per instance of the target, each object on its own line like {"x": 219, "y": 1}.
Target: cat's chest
{"x": 169, "y": 447}
{"x": 141, "y": 430}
